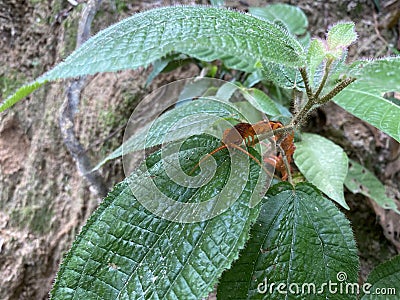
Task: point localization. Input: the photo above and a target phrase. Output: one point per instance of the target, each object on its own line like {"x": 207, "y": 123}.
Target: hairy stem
{"x": 336, "y": 90}
{"x": 323, "y": 81}
{"x": 304, "y": 75}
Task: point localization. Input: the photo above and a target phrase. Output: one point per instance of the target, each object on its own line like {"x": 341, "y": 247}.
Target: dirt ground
{"x": 43, "y": 199}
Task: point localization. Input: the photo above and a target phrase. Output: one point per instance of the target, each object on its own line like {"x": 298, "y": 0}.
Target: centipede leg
{"x": 252, "y": 157}
{"x": 286, "y": 172}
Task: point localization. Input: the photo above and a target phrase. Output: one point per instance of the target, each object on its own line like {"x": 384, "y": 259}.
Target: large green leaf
{"x": 364, "y": 98}
{"x": 360, "y": 180}
{"x": 191, "y": 118}
{"x": 324, "y": 164}
{"x": 299, "y": 238}
{"x": 126, "y": 252}
{"x": 206, "y": 33}
{"x": 383, "y": 281}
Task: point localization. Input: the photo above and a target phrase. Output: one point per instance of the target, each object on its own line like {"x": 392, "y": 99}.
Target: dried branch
{"x": 70, "y": 106}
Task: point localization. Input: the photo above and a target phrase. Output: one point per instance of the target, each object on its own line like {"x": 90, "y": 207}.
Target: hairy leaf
{"x": 383, "y": 281}
{"x": 299, "y": 238}
{"x": 360, "y": 180}
{"x": 340, "y": 36}
{"x": 315, "y": 56}
{"x": 365, "y": 97}
{"x": 126, "y": 252}
{"x": 283, "y": 76}
{"x": 206, "y": 33}
{"x": 324, "y": 164}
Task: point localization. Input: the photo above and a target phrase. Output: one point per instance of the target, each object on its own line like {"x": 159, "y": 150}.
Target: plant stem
{"x": 304, "y": 75}
{"x": 336, "y": 90}
{"x": 326, "y": 73}
{"x": 302, "y": 113}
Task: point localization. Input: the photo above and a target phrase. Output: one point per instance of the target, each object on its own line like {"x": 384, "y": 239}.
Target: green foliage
{"x": 292, "y": 17}
{"x": 240, "y": 40}
{"x": 360, "y": 180}
{"x": 299, "y": 237}
{"x": 324, "y": 164}
{"x": 124, "y": 251}
{"x": 364, "y": 98}
{"x": 315, "y": 56}
{"x": 149, "y": 238}
{"x": 179, "y": 123}
{"x": 339, "y": 38}
{"x": 261, "y": 101}
{"x": 384, "y": 281}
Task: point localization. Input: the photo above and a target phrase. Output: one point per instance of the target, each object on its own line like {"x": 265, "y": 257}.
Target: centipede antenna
{"x": 206, "y": 157}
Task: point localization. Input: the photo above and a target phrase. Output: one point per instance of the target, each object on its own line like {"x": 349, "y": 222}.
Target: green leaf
{"x": 254, "y": 78}
{"x": 166, "y": 64}
{"x": 206, "y": 33}
{"x": 360, "y": 180}
{"x": 292, "y": 16}
{"x": 246, "y": 109}
{"x": 126, "y": 252}
{"x": 364, "y": 98}
{"x": 299, "y": 238}
{"x": 226, "y": 91}
{"x": 324, "y": 164}
{"x": 383, "y": 281}
{"x": 283, "y": 76}
{"x": 340, "y": 36}
{"x": 261, "y": 101}
{"x": 315, "y": 56}
{"x": 192, "y": 118}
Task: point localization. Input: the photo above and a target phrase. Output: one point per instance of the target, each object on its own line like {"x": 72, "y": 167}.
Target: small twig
{"x": 70, "y": 107}
{"x": 376, "y": 27}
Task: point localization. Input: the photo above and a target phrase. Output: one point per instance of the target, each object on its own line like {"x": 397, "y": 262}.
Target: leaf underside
{"x": 365, "y": 97}
{"x": 206, "y": 33}
{"x": 360, "y": 180}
